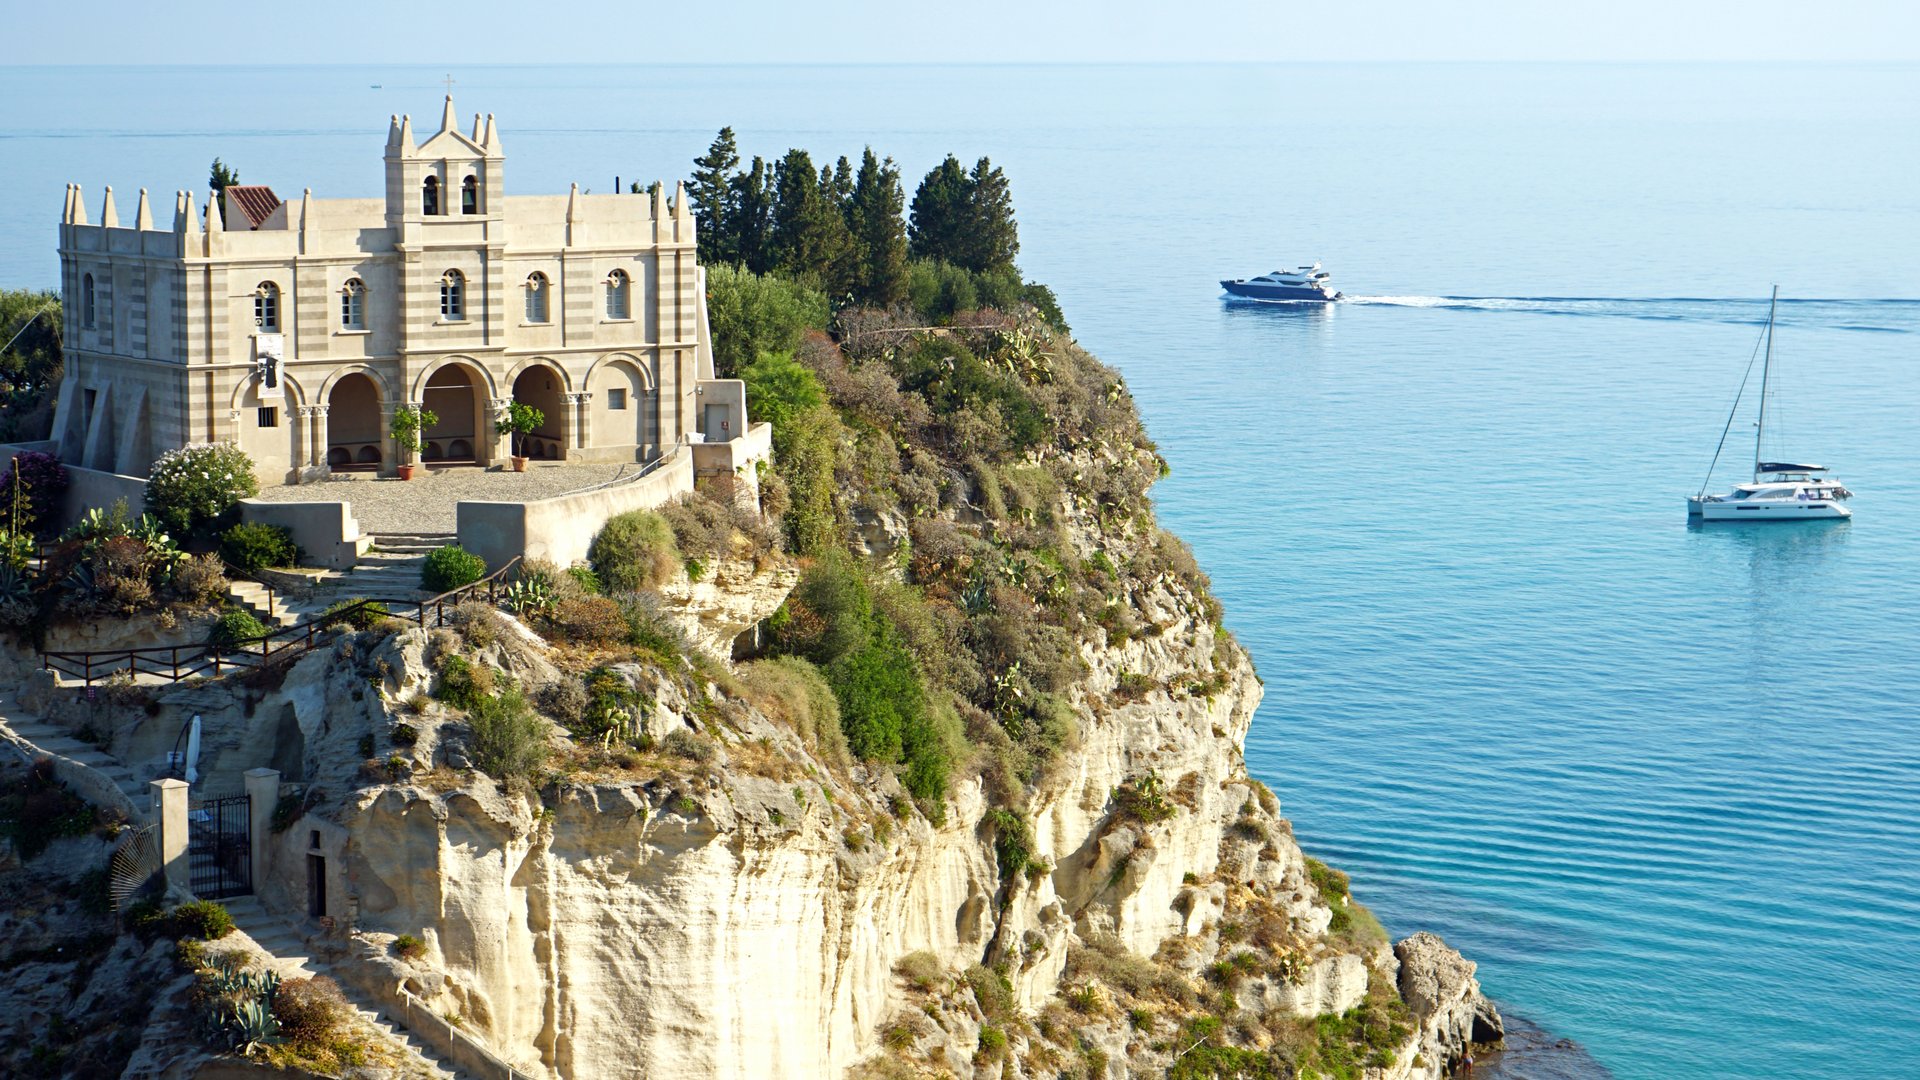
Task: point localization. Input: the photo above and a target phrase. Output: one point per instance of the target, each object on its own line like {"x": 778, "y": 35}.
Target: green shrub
{"x": 409, "y": 947}
{"x": 200, "y": 579}
{"x": 192, "y": 491}
{"x": 509, "y": 739}
{"x": 203, "y": 919}
{"x": 993, "y": 1044}
{"x": 235, "y": 628}
{"x": 590, "y": 620}
{"x": 448, "y": 568}
{"x": 778, "y": 387}
{"x": 753, "y": 313}
{"x": 252, "y": 545}
{"x": 1331, "y": 883}
{"x": 190, "y": 954}
{"x": 462, "y": 683}
{"x": 360, "y": 618}
{"x": 584, "y": 577}
{"x": 922, "y": 970}
{"x": 1143, "y": 798}
{"x": 312, "y": 1012}
{"x": 1012, "y": 844}
{"x": 684, "y": 743}
{"x": 791, "y": 688}
{"x": 634, "y": 551}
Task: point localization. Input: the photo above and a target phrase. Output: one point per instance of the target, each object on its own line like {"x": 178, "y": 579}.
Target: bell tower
{"x": 452, "y": 177}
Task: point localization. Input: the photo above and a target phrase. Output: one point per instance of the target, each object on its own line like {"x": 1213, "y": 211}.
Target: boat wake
{"x": 1889, "y": 316}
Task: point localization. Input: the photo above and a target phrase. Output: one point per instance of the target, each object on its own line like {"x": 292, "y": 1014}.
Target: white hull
{"x": 1765, "y": 510}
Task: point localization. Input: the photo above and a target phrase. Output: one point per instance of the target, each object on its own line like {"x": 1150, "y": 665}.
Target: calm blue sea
{"x": 1659, "y": 782}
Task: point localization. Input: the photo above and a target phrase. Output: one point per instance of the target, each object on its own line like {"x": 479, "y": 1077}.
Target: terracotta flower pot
{"x": 519, "y": 464}
{"x": 406, "y": 472}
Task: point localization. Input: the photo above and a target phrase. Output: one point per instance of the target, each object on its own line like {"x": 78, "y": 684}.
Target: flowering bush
{"x": 31, "y": 494}
{"x": 193, "y": 489}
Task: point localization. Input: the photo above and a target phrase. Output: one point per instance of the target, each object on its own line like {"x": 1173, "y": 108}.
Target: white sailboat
{"x": 1780, "y": 490}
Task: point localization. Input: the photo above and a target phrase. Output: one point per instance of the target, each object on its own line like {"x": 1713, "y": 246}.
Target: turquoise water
{"x": 1659, "y": 782}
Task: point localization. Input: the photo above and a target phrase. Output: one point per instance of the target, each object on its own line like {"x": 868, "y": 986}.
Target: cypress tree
{"x": 879, "y": 234}
{"x": 752, "y": 227}
{"x": 940, "y": 212}
{"x": 810, "y": 238}
{"x": 713, "y": 193}
{"x": 992, "y": 239}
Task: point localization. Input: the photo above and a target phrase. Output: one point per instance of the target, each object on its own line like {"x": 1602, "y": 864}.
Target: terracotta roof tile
{"x": 256, "y": 201}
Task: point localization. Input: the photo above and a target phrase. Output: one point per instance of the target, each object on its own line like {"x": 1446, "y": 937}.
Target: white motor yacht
{"x": 1780, "y": 490}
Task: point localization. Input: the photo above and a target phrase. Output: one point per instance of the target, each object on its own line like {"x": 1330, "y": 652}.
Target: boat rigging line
{"x": 1735, "y": 411}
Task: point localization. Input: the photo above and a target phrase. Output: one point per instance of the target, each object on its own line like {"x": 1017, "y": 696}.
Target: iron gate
{"x": 220, "y": 847}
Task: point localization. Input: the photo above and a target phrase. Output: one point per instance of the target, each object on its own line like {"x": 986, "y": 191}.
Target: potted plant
{"x": 408, "y": 422}
{"x": 519, "y": 419}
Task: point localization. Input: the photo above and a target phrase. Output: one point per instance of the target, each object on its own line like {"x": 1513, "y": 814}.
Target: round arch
{"x": 266, "y": 428}
{"x": 519, "y": 369}
{"x": 294, "y": 396}
{"x": 356, "y": 435}
{"x": 483, "y": 377}
{"x": 645, "y": 369}
{"x": 379, "y": 380}
{"x": 543, "y": 385}
{"x": 460, "y": 393}
{"x": 623, "y": 409}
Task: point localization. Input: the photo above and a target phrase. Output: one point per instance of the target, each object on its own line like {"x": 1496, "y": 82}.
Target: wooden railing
{"x": 186, "y": 660}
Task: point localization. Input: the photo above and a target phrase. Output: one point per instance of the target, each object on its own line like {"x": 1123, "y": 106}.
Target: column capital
{"x": 579, "y": 397}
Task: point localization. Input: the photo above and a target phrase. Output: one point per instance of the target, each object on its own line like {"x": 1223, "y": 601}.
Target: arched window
{"x": 430, "y": 196}
{"x": 453, "y": 296}
{"x": 537, "y": 298}
{"x": 86, "y": 301}
{"x": 470, "y": 196}
{"x": 353, "y": 305}
{"x": 266, "y": 307}
{"x": 619, "y": 289}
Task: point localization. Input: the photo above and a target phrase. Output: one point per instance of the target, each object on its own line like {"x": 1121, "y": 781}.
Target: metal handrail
{"x": 187, "y": 659}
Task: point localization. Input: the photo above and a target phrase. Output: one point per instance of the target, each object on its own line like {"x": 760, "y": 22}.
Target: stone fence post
{"x": 170, "y": 815}
{"x": 263, "y": 793}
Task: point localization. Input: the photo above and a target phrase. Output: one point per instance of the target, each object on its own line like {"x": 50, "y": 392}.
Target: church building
{"x": 296, "y": 328}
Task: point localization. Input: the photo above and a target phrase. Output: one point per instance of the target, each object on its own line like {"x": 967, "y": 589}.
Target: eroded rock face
{"x": 742, "y": 914}
{"x": 1437, "y": 983}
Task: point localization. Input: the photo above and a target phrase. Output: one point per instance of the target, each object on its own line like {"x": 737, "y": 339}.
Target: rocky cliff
{"x": 745, "y": 905}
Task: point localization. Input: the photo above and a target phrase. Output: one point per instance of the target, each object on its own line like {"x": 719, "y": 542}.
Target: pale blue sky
{"x": 882, "y": 31}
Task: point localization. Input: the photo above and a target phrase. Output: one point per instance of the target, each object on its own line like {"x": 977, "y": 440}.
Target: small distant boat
{"x": 1306, "y": 283}
{"x": 1780, "y": 490}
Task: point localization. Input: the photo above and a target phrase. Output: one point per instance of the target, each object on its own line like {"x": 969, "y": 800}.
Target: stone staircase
{"x": 390, "y": 568}
{"x": 292, "y": 959}
{"x": 37, "y": 738}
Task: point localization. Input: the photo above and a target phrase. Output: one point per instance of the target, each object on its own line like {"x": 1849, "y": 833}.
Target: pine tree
{"x": 992, "y": 238}
{"x": 713, "y": 194}
{"x": 752, "y": 226}
{"x": 879, "y": 234}
{"x": 940, "y": 212}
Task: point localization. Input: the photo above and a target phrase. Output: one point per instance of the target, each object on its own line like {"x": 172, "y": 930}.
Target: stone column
{"x": 263, "y": 794}
{"x": 315, "y": 418}
{"x": 170, "y": 815}
{"x": 496, "y": 408}
{"x": 579, "y": 425}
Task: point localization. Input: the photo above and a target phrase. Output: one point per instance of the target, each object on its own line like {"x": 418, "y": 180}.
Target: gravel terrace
{"x": 425, "y": 504}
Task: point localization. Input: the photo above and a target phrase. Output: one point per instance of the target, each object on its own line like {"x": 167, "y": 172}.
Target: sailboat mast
{"x": 1766, "y": 369}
